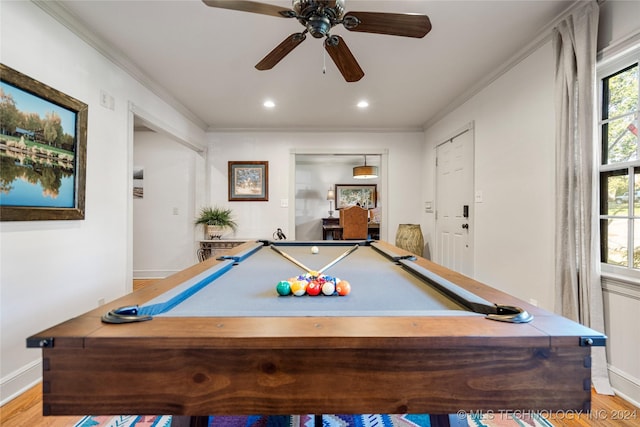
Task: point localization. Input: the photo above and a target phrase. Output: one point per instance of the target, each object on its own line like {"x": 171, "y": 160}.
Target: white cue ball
{"x": 314, "y": 249}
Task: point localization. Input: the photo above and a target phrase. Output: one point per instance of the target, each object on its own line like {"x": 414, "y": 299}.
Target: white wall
{"x": 514, "y": 168}
{"x": 621, "y": 301}
{"x": 514, "y": 121}
{"x": 260, "y": 219}
{"x": 618, "y": 23}
{"x": 54, "y": 270}
{"x": 163, "y": 231}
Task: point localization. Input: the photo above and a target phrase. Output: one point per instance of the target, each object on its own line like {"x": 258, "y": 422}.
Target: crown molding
{"x": 61, "y": 14}
{"x": 316, "y": 130}
{"x": 544, "y": 36}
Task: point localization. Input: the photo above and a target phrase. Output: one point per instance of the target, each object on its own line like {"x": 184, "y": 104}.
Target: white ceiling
{"x": 203, "y": 59}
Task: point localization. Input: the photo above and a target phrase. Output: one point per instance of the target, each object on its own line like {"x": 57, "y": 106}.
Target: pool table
{"x": 410, "y": 337}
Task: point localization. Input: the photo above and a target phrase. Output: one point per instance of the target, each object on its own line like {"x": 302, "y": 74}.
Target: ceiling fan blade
{"x": 395, "y": 24}
{"x": 251, "y": 6}
{"x": 280, "y": 51}
{"x": 343, "y": 58}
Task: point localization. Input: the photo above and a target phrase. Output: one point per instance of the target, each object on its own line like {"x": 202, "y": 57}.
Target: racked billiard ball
{"x": 299, "y": 288}
{"x": 314, "y": 288}
{"x": 283, "y": 287}
{"x": 343, "y": 288}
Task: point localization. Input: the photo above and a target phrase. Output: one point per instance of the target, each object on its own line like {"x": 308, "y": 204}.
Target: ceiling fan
{"x": 318, "y": 17}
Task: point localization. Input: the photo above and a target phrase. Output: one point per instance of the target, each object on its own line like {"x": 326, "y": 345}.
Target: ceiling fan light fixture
{"x": 365, "y": 172}
{"x": 318, "y": 26}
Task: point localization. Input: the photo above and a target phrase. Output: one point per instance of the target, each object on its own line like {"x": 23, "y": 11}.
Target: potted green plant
{"x": 215, "y": 221}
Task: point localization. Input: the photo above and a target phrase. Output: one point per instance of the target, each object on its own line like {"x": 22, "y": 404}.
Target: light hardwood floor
{"x": 606, "y": 411}
{"x": 141, "y": 283}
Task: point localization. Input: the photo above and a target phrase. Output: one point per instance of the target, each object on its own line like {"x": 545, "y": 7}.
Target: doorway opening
{"x": 316, "y": 174}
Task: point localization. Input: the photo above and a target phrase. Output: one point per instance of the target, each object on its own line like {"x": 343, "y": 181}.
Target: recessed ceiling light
{"x": 363, "y": 104}
{"x": 269, "y": 104}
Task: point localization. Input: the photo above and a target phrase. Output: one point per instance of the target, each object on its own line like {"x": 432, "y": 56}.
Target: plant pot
{"x": 213, "y": 232}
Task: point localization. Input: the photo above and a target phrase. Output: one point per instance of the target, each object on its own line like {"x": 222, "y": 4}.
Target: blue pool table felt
{"x": 379, "y": 287}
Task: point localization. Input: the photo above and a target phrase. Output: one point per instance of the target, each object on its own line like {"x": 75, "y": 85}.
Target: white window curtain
{"x": 578, "y": 287}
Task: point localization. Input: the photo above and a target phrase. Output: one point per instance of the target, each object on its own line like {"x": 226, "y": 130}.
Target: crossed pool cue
{"x": 323, "y": 269}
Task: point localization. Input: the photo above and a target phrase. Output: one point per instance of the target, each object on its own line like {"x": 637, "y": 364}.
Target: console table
{"x": 331, "y": 227}
{"x": 209, "y": 248}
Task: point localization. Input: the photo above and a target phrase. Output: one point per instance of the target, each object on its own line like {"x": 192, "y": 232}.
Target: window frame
{"x": 605, "y": 68}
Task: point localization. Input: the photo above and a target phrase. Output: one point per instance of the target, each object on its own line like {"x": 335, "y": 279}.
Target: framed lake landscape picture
{"x": 248, "y": 181}
{"x": 43, "y": 145}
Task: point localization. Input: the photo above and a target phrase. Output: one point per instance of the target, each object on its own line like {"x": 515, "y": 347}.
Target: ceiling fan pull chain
{"x": 324, "y": 61}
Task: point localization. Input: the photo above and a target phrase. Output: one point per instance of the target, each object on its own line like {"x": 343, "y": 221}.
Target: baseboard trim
{"x": 153, "y": 274}
{"x": 625, "y": 386}
{"x": 18, "y": 382}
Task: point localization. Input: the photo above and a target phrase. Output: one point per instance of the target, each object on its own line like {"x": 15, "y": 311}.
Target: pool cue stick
{"x": 292, "y": 259}
{"x": 337, "y": 260}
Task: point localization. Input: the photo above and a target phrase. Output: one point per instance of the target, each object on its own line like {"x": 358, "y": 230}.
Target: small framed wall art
{"x": 248, "y": 181}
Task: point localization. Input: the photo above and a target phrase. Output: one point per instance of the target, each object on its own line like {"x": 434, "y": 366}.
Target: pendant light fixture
{"x": 365, "y": 172}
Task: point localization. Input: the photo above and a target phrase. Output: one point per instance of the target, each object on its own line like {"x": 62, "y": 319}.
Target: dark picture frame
{"x": 248, "y": 181}
{"x": 49, "y": 150}
{"x": 352, "y": 194}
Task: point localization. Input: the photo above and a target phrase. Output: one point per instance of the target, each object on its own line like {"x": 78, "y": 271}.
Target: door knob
{"x": 465, "y": 226}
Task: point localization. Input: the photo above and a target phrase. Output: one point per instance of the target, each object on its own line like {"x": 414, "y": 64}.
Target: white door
{"x": 454, "y": 203}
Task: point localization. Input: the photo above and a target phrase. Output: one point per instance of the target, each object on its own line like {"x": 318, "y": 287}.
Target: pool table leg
{"x": 444, "y": 420}
{"x": 203, "y": 421}
{"x": 439, "y": 420}
{"x": 187, "y": 421}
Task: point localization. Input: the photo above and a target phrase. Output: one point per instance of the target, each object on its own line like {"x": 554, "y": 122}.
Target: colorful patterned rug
{"x": 371, "y": 420}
